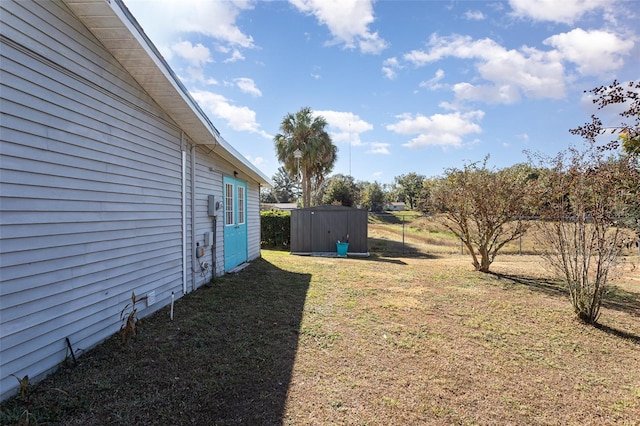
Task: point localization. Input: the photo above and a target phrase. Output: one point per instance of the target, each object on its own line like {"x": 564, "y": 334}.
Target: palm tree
{"x": 301, "y": 132}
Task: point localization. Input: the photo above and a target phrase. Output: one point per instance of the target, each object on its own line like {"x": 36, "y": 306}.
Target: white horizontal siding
{"x": 208, "y": 182}
{"x": 91, "y": 191}
{"x": 61, "y": 38}
{"x": 253, "y": 220}
{"x": 210, "y": 171}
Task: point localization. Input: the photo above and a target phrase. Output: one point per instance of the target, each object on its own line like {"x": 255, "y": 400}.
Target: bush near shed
{"x": 275, "y": 228}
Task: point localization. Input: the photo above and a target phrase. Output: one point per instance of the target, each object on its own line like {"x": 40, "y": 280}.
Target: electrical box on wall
{"x": 208, "y": 238}
{"x": 211, "y": 206}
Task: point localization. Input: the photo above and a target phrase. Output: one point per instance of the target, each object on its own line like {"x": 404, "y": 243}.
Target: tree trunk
{"x": 485, "y": 263}
{"x": 472, "y": 251}
{"x": 306, "y": 193}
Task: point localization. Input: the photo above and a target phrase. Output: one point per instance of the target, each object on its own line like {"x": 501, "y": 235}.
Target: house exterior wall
{"x": 96, "y": 201}
{"x": 253, "y": 220}
{"x": 209, "y": 181}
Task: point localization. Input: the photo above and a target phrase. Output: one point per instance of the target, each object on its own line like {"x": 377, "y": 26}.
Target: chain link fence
{"x": 409, "y": 233}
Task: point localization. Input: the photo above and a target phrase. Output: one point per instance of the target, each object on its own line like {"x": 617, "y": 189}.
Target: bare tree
{"x": 580, "y": 234}
{"x": 624, "y": 97}
{"x": 485, "y": 208}
{"x": 628, "y": 95}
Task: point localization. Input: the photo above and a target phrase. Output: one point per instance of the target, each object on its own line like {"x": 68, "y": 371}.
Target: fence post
{"x": 520, "y": 244}
{"x": 402, "y": 234}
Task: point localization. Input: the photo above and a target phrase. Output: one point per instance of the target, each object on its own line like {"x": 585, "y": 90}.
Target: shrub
{"x": 582, "y": 235}
{"x": 275, "y": 228}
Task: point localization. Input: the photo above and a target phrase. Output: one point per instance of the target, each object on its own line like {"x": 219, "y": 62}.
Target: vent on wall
{"x": 151, "y": 298}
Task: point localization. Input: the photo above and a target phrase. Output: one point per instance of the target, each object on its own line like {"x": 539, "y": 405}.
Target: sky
{"x": 405, "y": 86}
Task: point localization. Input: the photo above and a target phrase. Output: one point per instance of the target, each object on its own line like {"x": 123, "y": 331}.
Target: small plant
{"x": 25, "y": 400}
{"x": 129, "y": 319}
{"x": 24, "y": 385}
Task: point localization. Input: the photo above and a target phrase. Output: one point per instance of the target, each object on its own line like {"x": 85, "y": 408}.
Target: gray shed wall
{"x": 317, "y": 229}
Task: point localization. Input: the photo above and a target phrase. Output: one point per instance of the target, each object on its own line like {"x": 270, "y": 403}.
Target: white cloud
{"x": 247, "y": 85}
{"x": 315, "y": 74}
{"x": 504, "y": 94}
{"x": 347, "y": 20}
{"x": 511, "y": 73}
{"x": 166, "y": 18}
{"x": 196, "y": 55}
{"x": 449, "y": 106}
{"x": 236, "y": 56}
{"x": 594, "y": 52}
{"x": 240, "y": 118}
{"x": 445, "y": 130}
{"x": 565, "y": 11}
{"x": 345, "y": 126}
{"x": 474, "y": 15}
{"x": 455, "y": 45}
{"x": 257, "y": 161}
{"x": 372, "y": 43}
{"x": 389, "y": 67}
{"x": 378, "y": 148}
{"x": 433, "y": 83}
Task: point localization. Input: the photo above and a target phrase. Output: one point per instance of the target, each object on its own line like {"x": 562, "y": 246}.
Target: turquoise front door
{"x": 235, "y": 222}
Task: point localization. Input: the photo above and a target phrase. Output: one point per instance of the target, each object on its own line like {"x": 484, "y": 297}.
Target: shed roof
{"x": 116, "y": 28}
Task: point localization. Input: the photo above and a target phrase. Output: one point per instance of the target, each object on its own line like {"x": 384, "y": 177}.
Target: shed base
{"x": 329, "y": 254}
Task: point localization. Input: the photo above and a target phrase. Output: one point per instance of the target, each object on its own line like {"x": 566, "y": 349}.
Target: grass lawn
{"x": 386, "y": 340}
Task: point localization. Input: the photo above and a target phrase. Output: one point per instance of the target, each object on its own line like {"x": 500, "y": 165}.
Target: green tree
{"x": 372, "y": 197}
{"x": 267, "y": 196}
{"x": 285, "y": 186}
{"x": 410, "y": 188}
{"x": 484, "y": 208}
{"x": 424, "y": 203}
{"x": 340, "y": 189}
{"x": 306, "y": 134}
{"x": 391, "y": 192}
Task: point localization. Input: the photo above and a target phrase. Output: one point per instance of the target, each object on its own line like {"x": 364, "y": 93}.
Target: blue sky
{"x": 406, "y": 86}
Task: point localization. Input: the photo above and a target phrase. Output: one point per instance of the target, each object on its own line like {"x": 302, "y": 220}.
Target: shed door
{"x": 323, "y": 235}
{"x": 235, "y": 223}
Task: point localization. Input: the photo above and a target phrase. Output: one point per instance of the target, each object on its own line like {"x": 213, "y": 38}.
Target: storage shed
{"x": 316, "y": 230}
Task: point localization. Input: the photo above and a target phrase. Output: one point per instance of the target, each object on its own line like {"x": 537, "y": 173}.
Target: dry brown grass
{"x": 428, "y": 341}
{"x": 386, "y": 340}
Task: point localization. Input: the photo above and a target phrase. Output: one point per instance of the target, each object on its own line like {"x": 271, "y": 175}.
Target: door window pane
{"x": 228, "y": 217}
{"x": 240, "y": 205}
